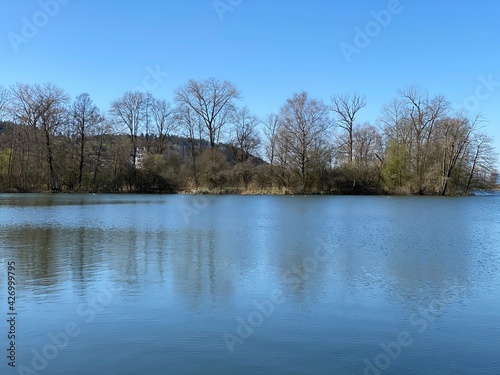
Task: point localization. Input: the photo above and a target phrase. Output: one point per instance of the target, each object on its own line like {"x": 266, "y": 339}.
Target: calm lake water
{"x": 128, "y": 284}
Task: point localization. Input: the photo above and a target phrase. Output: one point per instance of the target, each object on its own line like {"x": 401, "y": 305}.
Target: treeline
{"x": 205, "y": 141}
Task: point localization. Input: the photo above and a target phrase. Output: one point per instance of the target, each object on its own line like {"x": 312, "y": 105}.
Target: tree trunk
{"x": 80, "y": 169}
{"x": 96, "y": 169}
{"x": 471, "y": 174}
{"x": 51, "y": 180}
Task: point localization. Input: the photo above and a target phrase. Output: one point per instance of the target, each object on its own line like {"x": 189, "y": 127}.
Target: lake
{"x": 181, "y": 284}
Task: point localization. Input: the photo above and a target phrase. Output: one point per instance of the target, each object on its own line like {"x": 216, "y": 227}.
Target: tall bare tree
{"x": 212, "y": 100}
{"x": 100, "y": 134}
{"x": 53, "y": 115}
{"x": 345, "y": 109}
{"x": 396, "y": 123}
{"x": 455, "y": 136}
{"x": 42, "y": 108}
{"x": 25, "y": 105}
{"x": 422, "y": 115}
{"x": 191, "y": 127}
{"x": 246, "y": 139}
{"x": 271, "y": 128}
{"x": 163, "y": 117}
{"x": 129, "y": 111}
{"x": 22, "y": 108}
{"x": 85, "y": 117}
{"x": 368, "y": 149}
{"x": 483, "y": 159}
{"x": 304, "y": 123}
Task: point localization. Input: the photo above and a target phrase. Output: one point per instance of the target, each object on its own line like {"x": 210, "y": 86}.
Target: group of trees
{"x": 205, "y": 140}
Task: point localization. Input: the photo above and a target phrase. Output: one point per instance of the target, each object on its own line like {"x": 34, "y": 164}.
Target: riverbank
{"x": 243, "y": 191}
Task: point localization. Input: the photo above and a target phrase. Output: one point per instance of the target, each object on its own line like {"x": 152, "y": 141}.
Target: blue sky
{"x": 269, "y": 49}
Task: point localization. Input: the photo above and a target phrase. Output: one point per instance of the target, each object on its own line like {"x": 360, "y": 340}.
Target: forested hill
{"x": 206, "y": 141}
{"x": 108, "y": 165}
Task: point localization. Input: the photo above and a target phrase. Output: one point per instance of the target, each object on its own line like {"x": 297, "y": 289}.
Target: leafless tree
{"x": 147, "y": 121}
{"x": 42, "y": 108}
{"x": 271, "y": 127}
{"x": 423, "y": 114}
{"x": 483, "y": 159}
{"x": 163, "y": 117}
{"x": 246, "y": 139}
{"x": 303, "y": 123}
{"x": 345, "y": 109}
{"x": 213, "y": 101}
{"x": 190, "y": 125}
{"x": 24, "y": 105}
{"x": 85, "y": 117}
{"x": 368, "y": 147}
{"x": 100, "y": 133}
{"x": 396, "y": 123}
{"x": 455, "y": 136}
{"x": 23, "y": 110}
{"x": 129, "y": 111}
{"x": 53, "y": 115}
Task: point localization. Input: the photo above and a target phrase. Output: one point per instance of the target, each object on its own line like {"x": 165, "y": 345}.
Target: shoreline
{"x": 242, "y": 192}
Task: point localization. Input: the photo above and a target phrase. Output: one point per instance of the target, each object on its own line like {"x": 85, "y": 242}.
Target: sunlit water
{"x": 126, "y": 284}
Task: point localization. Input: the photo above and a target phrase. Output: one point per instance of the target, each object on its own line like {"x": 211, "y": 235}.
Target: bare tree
{"x": 303, "y": 123}
{"x": 422, "y": 114}
{"x": 85, "y": 117}
{"x": 191, "y": 127}
{"x": 213, "y": 101}
{"x": 53, "y": 114}
{"x": 483, "y": 159}
{"x": 345, "y": 109}
{"x": 271, "y": 127}
{"x": 147, "y": 120}
{"x": 246, "y": 138}
{"x": 129, "y": 111}
{"x": 396, "y": 124}
{"x": 276, "y": 149}
{"x": 367, "y": 146}
{"x": 22, "y": 108}
{"x": 24, "y": 105}
{"x": 99, "y": 134}
{"x": 456, "y": 134}
{"x": 163, "y": 117}
{"x": 42, "y": 108}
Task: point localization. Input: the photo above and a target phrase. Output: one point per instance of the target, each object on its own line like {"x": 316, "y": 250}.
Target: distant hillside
{"x": 182, "y": 146}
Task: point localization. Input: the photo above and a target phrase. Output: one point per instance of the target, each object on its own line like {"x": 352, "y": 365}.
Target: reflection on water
{"x": 164, "y": 278}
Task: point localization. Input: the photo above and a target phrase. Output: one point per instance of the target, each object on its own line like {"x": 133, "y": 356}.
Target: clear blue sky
{"x": 269, "y": 49}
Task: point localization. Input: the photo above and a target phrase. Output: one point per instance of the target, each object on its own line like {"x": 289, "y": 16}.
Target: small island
{"x": 207, "y": 141}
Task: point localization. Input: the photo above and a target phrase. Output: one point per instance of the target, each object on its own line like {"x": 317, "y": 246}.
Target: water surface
{"x": 253, "y": 284}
